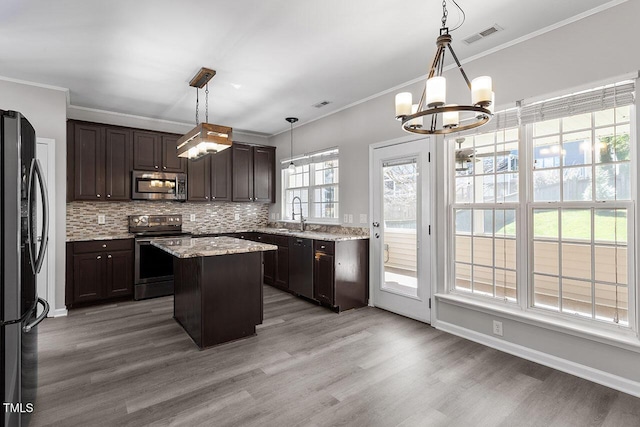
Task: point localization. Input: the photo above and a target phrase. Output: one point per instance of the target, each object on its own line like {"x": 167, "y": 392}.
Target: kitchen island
{"x": 218, "y": 286}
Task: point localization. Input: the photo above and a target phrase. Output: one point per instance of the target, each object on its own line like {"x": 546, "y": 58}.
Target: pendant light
{"x": 205, "y": 138}
{"x": 433, "y": 103}
{"x": 292, "y": 120}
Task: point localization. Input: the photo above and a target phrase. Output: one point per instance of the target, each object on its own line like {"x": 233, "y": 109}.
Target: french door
{"x": 400, "y": 230}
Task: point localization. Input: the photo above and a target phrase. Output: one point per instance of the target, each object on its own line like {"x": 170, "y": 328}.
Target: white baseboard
{"x": 588, "y": 373}
{"x": 59, "y": 312}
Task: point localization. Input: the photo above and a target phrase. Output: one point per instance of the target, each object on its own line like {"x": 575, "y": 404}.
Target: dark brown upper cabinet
{"x": 99, "y": 162}
{"x": 253, "y": 173}
{"x": 209, "y": 178}
{"x": 153, "y": 151}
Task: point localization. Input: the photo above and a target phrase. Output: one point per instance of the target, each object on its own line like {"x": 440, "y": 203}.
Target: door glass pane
{"x": 400, "y": 225}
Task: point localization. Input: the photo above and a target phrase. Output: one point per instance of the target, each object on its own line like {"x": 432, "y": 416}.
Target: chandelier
{"x": 443, "y": 118}
{"x": 205, "y": 138}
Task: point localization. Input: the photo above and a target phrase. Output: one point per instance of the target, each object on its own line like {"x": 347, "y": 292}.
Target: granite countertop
{"x": 86, "y": 238}
{"x": 315, "y": 235}
{"x": 191, "y": 247}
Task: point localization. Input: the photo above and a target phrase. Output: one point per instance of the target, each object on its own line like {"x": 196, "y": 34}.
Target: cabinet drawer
{"x": 102, "y": 245}
{"x": 324, "y": 246}
{"x": 264, "y": 238}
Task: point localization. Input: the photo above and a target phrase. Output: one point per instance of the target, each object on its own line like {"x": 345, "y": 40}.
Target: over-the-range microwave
{"x": 158, "y": 186}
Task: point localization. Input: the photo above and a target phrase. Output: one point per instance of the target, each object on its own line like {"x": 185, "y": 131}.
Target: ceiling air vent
{"x": 322, "y": 104}
{"x": 482, "y": 34}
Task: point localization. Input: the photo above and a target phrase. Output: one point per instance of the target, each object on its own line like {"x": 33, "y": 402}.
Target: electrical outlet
{"x": 363, "y": 218}
{"x": 350, "y": 219}
{"x": 237, "y": 217}
{"x": 497, "y": 328}
{"x": 192, "y": 217}
{"x": 102, "y": 219}
{"x": 346, "y": 218}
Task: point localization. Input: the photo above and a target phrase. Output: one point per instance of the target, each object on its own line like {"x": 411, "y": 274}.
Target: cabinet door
{"x": 269, "y": 270}
{"x": 146, "y": 151}
{"x": 199, "y": 180}
{"x": 118, "y": 164}
{"x": 242, "y": 160}
{"x": 221, "y": 176}
{"x": 170, "y": 160}
{"x": 264, "y": 174}
{"x": 88, "y": 277}
{"x": 89, "y": 159}
{"x": 323, "y": 277}
{"x": 119, "y": 277}
{"x": 282, "y": 267}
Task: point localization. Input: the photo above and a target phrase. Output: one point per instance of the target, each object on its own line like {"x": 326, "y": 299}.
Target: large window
{"x": 486, "y": 198}
{"x": 578, "y": 208}
{"x": 314, "y": 179}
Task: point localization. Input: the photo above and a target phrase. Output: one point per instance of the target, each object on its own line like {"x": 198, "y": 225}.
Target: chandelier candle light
{"x": 433, "y": 103}
{"x": 205, "y": 138}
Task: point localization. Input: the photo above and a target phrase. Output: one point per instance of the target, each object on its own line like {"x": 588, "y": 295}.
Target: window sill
{"x": 618, "y": 337}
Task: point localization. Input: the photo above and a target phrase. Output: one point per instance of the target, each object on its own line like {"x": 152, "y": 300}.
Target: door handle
{"x": 30, "y": 326}
{"x": 376, "y": 224}
{"x": 45, "y": 218}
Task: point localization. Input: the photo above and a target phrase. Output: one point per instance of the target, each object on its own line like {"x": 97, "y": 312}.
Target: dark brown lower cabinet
{"x": 276, "y": 263}
{"x": 341, "y": 273}
{"x": 218, "y": 298}
{"x": 99, "y": 270}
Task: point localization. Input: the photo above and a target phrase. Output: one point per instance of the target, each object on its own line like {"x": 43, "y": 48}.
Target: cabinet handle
{"x": 99, "y": 257}
{"x": 109, "y": 256}
{"x": 97, "y": 195}
{"x": 322, "y": 247}
{"x": 156, "y": 167}
{"x": 104, "y": 246}
{"x": 164, "y": 167}
{"x": 206, "y": 197}
{"x": 213, "y": 197}
{"x": 108, "y": 196}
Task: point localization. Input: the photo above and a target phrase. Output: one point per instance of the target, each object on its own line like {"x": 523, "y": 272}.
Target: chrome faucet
{"x": 293, "y": 211}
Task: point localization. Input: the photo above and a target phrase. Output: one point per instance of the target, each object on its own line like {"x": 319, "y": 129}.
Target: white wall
{"x": 593, "y": 49}
{"x": 46, "y": 109}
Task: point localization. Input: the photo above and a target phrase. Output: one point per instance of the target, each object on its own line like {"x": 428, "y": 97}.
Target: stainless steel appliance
{"x": 158, "y": 186}
{"x": 153, "y": 266}
{"x": 22, "y": 256}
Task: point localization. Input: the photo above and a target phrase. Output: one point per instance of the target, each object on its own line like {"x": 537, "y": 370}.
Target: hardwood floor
{"x": 130, "y": 364}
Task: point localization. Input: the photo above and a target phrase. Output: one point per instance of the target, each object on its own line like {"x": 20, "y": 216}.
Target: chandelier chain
{"x": 206, "y": 104}
{"x": 445, "y": 13}
{"x": 197, "y": 105}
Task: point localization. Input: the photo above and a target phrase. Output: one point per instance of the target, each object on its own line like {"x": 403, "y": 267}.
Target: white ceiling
{"x": 137, "y": 56}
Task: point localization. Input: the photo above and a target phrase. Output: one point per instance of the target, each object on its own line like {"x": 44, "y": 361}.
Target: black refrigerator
{"x": 22, "y": 253}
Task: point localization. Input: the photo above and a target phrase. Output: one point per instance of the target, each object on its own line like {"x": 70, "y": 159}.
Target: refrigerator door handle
{"x": 37, "y": 320}
{"x": 36, "y": 169}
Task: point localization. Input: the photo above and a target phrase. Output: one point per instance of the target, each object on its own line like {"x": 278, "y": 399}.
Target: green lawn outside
{"x": 576, "y": 224}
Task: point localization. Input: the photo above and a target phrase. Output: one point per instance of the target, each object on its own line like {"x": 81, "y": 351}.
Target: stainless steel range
{"x": 153, "y": 266}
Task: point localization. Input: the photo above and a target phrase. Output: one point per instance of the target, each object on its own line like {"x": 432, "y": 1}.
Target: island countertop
{"x": 191, "y": 247}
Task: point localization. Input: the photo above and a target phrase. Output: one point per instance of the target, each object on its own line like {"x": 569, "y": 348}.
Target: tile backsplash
{"x": 219, "y": 217}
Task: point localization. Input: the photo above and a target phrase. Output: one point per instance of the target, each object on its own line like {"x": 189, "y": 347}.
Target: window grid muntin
{"x": 593, "y": 244}
{"x": 310, "y": 203}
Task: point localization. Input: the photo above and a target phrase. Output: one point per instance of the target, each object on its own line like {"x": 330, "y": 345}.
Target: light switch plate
{"x": 237, "y": 217}
{"x": 192, "y": 217}
{"x": 102, "y": 219}
{"x": 346, "y": 218}
{"x": 350, "y": 219}
{"x": 363, "y": 218}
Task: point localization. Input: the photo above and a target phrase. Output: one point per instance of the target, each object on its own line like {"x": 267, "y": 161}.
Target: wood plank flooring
{"x": 130, "y": 364}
